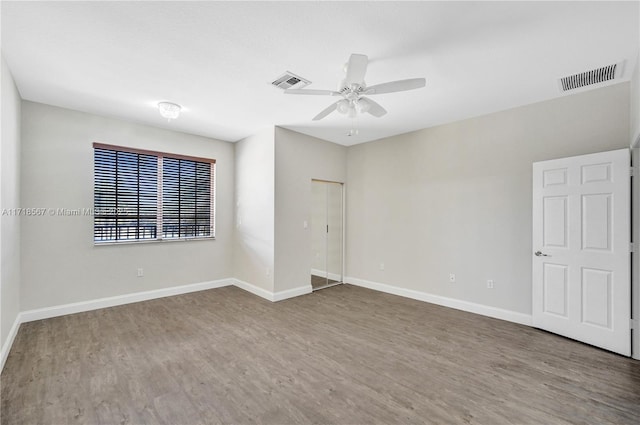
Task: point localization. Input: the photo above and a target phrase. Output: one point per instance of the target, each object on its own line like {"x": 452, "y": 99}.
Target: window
{"x": 144, "y": 195}
{"x": 186, "y": 198}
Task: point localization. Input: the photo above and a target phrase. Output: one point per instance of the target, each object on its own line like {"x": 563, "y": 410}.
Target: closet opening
{"x": 327, "y": 233}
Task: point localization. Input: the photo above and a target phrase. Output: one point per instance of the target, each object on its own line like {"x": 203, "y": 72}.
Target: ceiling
{"x": 217, "y": 59}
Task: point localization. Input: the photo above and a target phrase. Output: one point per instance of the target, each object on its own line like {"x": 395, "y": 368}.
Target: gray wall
{"x": 254, "y": 207}
{"x": 299, "y": 159}
{"x": 60, "y": 263}
{"x": 9, "y": 198}
{"x": 457, "y": 198}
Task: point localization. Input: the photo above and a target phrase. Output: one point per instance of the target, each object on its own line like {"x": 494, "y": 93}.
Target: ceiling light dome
{"x": 364, "y": 105}
{"x": 343, "y": 106}
{"x": 169, "y": 110}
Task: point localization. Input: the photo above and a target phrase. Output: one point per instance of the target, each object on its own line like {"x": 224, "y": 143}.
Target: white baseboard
{"x": 272, "y": 296}
{"x": 61, "y": 310}
{"x": 6, "y": 347}
{"x": 255, "y": 290}
{"x": 290, "y": 293}
{"x": 497, "y": 313}
{"x": 79, "y": 307}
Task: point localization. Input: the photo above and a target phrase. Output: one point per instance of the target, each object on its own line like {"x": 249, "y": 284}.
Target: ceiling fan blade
{"x": 312, "y": 92}
{"x": 356, "y": 69}
{"x": 326, "y": 111}
{"x": 374, "y": 108}
{"x": 394, "y": 86}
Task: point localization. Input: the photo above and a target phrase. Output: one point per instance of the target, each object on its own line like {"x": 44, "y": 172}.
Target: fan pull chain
{"x": 354, "y": 127}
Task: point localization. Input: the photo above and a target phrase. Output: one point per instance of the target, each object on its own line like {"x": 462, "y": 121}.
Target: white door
{"x": 581, "y": 259}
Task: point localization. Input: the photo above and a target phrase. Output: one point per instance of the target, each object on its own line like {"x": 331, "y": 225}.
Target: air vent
{"x": 595, "y": 76}
{"x": 289, "y": 80}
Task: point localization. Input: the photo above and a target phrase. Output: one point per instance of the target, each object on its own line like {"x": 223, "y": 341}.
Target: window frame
{"x": 159, "y": 194}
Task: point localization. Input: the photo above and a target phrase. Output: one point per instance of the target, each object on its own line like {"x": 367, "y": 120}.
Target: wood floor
{"x": 344, "y": 355}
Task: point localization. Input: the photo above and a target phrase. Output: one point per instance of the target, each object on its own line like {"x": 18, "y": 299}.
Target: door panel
{"x": 596, "y": 221}
{"x": 596, "y": 173}
{"x": 581, "y": 232}
{"x": 555, "y": 177}
{"x": 555, "y": 221}
{"x": 596, "y": 297}
{"x": 555, "y": 289}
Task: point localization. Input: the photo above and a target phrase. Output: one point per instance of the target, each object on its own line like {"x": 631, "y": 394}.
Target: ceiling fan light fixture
{"x": 353, "y": 89}
{"x": 343, "y": 106}
{"x": 169, "y": 110}
{"x": 363, "y": 105}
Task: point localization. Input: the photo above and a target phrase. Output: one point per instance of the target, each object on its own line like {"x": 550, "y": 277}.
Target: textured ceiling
{"x": 217, "y": 58}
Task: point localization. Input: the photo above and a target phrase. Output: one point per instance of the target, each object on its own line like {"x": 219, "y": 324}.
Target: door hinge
{"x": 632, "y": 247}
{"x": 633, "y": 171}
{"x": 633, "y": 324}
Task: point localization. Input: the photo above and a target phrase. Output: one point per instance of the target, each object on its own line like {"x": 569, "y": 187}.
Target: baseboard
{"x": 255, "y": 290}
{"x": 497, "y": 313}
{"x": 290, "y": 293}
{"x": 79, "y": 307}
{"x": 6, "y": 347}
{"x": 272, "y": 296}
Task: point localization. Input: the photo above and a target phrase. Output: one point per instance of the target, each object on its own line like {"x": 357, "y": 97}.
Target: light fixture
{"x": 343, "y": 106}
{"x": 347, "y": 106}
{"x": 169, "y": 110}
{"x": 364, "y": 105}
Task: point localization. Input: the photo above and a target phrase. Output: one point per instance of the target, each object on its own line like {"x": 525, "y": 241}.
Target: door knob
{"x": 540, "y": 254}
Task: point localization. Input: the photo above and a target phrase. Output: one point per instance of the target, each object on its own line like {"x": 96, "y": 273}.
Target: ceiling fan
{"x": 353, "y": 90}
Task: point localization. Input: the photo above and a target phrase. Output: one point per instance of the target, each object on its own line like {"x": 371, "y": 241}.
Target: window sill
{"x": 151, "y": 241}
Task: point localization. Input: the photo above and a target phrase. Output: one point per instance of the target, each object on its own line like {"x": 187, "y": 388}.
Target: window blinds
{"x": 143, "y": 195}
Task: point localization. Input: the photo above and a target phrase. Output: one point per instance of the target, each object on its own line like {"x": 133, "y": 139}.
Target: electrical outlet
{"x": 381, "y": 266}
{"x": 490, "y": 284}
{"x": 452, "y": 277}
{"x": 140, "y": 272}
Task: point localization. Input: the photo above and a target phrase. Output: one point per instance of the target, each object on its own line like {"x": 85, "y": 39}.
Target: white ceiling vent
{"x": 289, "y": 80}
{"x": 588, "y": 78}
